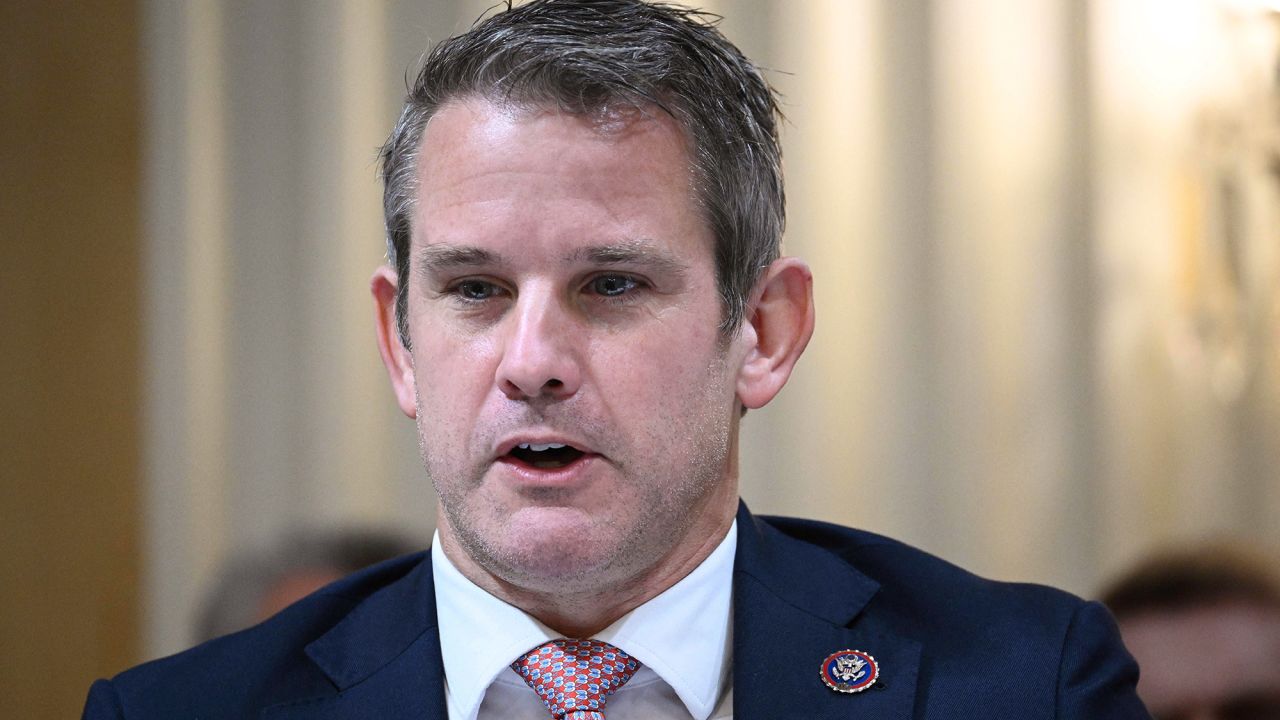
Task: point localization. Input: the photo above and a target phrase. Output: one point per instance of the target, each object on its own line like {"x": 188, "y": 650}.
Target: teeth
{"x": 541, "y": 447}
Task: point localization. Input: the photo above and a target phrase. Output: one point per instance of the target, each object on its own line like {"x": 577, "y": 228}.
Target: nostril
{"x": 554, "y": 383}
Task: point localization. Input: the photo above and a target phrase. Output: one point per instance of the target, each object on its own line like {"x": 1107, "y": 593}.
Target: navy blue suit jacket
{"x": 949, "y": 644}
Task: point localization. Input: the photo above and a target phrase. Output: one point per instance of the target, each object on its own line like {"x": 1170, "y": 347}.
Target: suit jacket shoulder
{"x": 922, "y": 595}
{"x": 956, "y": 642}
{"x": 281, "y": 661}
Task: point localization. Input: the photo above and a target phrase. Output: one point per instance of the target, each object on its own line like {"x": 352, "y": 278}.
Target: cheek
{"x": 674, "y": 377}
{"x": 452, "y": 378}
{"x": 652, "y": 364}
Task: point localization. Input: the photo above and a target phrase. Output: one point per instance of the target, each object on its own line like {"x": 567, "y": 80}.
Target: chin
{"x": 556, "y": 546}
{"x": 552, "y": 569}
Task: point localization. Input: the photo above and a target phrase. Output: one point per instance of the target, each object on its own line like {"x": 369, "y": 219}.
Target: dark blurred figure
{"x": 254, "y": 586}
{"x": 1204, "y": 626}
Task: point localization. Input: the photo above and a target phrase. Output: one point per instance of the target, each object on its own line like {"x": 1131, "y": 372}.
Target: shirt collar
{"x": 682, "y": 634}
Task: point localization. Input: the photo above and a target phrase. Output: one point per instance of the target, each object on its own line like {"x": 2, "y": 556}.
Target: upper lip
{"x": 511, "y": 442}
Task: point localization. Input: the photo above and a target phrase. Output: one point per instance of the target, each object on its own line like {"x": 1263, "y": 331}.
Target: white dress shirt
{"x": 683, "y": 639}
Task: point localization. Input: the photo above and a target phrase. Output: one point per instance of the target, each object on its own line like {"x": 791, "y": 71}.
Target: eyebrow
{"x": 438, "y": 258}
{"x": 631, "y": 252}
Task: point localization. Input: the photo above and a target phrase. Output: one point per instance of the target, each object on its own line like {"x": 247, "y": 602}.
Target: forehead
{"x": 479, "y": 158}
{"x": 482, "y": 135}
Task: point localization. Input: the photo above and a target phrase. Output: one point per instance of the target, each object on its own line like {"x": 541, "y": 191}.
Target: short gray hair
{"x": 586, "y": 56}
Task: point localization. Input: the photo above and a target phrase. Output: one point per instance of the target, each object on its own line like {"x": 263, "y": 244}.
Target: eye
{"x": 613, "y": 285}
{"x": 475, "y": 290}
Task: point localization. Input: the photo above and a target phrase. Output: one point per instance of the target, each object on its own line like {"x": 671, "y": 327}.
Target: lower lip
{"x": 563, "y": 476}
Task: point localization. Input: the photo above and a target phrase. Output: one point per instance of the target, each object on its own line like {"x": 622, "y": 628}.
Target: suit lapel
{"x": 383, "y": 658}
{"x": 795, "y": 604}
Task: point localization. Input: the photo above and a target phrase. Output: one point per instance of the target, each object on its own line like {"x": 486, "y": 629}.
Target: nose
{"x": 539, "y": 360}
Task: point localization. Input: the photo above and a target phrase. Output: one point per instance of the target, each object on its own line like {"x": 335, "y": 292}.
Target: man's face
{"x": 575, "y": 399}
{"x": 1220, "y": 662}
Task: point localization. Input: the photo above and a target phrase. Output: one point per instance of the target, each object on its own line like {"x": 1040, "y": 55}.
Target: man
{"x": 584, "y": 207}
{"x": 1205, "y": 625}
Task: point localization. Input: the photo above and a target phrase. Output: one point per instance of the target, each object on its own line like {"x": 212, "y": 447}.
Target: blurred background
{"x": 1045, "y": 235}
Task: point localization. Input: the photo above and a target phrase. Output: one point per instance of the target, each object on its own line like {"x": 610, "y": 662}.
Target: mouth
{"x": 544, "y": 456}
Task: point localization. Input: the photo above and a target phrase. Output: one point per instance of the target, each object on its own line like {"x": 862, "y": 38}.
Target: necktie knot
{"x": 574, "y": 678}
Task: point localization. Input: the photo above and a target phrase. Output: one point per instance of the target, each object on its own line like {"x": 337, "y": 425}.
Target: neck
{"x": 584, "y": 612}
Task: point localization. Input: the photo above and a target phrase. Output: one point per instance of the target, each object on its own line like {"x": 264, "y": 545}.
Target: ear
{"x": 778, "y": 326}
{"x": 395, "y": 357}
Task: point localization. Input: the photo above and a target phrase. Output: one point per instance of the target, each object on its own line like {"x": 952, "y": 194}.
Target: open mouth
{"x": 545, "y": 456}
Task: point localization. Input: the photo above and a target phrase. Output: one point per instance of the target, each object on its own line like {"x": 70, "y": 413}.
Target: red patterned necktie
{"x": 575, "y": 677}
